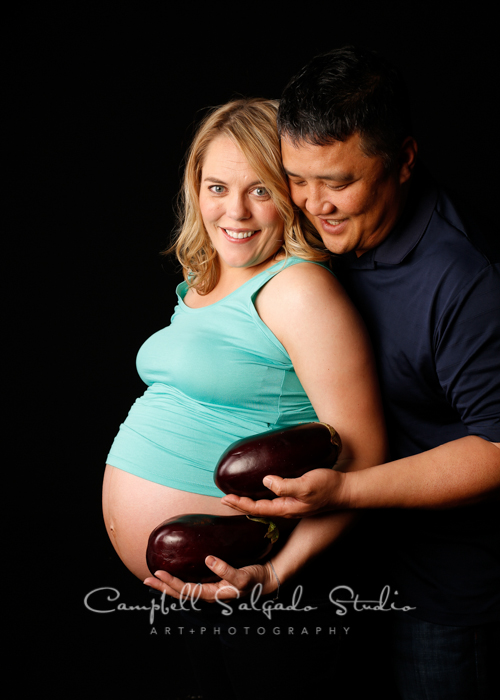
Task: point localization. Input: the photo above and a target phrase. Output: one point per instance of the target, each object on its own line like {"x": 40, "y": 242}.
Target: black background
{"x": 103, "y": 103}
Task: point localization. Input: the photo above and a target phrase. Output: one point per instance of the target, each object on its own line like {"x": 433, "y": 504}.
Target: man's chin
{"x": 336, "y": 247}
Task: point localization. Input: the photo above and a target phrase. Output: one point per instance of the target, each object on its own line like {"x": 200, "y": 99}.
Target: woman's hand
{"x": 234, "y": 583}
{"x": 317, "y": 491}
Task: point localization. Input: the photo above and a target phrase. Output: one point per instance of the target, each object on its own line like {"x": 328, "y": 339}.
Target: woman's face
{"x": 238, "y": 212}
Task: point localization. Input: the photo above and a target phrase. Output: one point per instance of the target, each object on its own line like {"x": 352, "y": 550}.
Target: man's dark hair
{"x": 345, "y": 91}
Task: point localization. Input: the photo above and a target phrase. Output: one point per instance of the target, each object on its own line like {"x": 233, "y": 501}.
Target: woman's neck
{"x": 230, "y": 279}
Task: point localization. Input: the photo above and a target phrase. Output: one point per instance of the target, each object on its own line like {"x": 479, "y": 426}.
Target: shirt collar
{"x": 408, "y": 231}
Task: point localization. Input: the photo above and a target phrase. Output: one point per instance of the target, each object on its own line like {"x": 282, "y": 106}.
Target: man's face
{"x": 350, "y": 198}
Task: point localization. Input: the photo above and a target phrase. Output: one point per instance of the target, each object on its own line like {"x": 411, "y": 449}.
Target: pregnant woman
{"x": 263, "y": 337}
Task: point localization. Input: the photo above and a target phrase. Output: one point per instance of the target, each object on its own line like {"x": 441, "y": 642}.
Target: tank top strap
{"x": 247, "y": 292}
{"x": 256, "y": 283}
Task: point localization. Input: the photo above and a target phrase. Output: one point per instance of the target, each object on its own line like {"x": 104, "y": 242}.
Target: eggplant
{"x": 180, "y": 544}
{"x": 287, "y": 452}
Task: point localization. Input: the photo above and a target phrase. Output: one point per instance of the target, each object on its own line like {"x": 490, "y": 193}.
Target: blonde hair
{"x": 251, "y": 124}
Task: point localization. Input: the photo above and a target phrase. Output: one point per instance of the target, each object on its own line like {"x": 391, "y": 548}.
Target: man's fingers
{"x": 275, "y": 484}
{"x": 237, "y": 502}
{"x": 247, "y": 506}
{"x": 293, "y": 498}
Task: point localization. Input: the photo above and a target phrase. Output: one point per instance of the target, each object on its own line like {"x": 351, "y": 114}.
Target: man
{"x": 430, "y": 299}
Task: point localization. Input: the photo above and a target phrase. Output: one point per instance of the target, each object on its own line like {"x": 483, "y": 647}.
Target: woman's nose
{"x": 237, "y": 207}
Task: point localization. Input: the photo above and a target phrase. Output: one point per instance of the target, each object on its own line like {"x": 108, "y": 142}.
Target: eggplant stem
{"x": 272, "y": 531}
{"x": 334, "y": 436}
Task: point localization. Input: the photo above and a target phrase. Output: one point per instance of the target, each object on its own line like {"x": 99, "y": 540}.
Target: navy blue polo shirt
{"x": 431, "y": 301}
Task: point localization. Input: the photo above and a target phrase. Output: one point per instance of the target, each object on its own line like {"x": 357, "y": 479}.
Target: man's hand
{"x": 317, "y": 491}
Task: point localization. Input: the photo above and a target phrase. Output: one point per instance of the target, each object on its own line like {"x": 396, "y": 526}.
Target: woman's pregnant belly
{"x": 133, "y": 507}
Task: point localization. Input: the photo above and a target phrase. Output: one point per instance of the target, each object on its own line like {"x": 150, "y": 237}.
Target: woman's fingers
{"x": 233, "y": 584}
{"x": 165, "y": 583}
{"x": 239, "y": 582}
{"x": 237, "y": 579}
{"x": 221, "y": 568}
{"x": 170, "y": 585}
{"x": 231, "y": 579}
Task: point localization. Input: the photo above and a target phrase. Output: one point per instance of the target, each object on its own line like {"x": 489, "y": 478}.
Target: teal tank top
{"x": 214, "y": 375}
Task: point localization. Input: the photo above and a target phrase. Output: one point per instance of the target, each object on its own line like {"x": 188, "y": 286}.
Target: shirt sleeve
{"x": 467, "y": 342}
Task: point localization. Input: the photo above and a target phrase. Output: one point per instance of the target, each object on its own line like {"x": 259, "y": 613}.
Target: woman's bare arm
{"x": 308, "y": 311}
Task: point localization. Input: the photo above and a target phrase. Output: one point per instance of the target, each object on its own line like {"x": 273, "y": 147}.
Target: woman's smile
{"x": 238, "y": 212}
{"x": 237, "y": 235}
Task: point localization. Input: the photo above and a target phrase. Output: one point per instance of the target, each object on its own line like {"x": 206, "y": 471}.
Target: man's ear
{"x": 407, "y": 159}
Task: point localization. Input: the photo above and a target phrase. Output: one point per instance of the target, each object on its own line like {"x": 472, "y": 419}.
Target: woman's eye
{"x": 217, "y": 189}
{"x": 261, "y": 192}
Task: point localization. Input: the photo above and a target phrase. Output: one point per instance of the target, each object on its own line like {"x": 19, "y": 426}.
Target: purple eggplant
{"x": 180, "y": 545}
{"x": 289, "y": 452}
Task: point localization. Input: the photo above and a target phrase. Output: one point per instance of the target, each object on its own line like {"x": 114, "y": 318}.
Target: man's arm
{"x": 458, "y": 473}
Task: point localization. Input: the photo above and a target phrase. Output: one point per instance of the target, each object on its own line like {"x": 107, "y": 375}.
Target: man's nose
{"x": 318, "y": 203}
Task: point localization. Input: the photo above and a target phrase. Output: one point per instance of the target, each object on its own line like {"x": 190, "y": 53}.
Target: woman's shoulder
{"x": 302, "y": 263}
{"x": 303, "y": 277}
{"x": 298, "y": 288}
{"x": 306, "y": 301}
